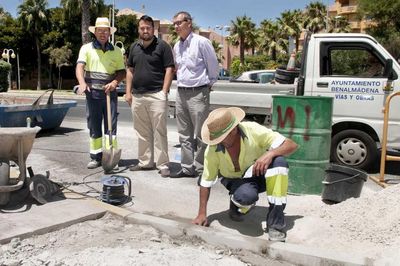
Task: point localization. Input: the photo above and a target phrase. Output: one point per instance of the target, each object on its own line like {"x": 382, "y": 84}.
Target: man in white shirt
{"x": 197, "y": 70}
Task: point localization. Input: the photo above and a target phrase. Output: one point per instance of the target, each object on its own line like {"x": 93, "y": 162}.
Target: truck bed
{"x": 253, "y": 98}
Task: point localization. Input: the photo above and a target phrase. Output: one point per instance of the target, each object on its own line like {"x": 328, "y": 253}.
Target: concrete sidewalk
{"x": 167, "y": 204}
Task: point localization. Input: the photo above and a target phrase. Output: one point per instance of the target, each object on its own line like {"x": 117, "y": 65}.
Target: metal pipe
{"x": 6, "y": 55}
{"x": 18, "y": 73}
{"x": 113, "y": 19}
{"x": 327, "y": 16}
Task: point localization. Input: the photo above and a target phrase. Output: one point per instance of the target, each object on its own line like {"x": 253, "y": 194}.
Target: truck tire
{"x": 284, "y": 76}
{"x": 354, "y": 148}
{"x": 282, "y": 79}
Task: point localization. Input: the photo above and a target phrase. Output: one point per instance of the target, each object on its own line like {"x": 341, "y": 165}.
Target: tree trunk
{"x": 51, "y": 79}
{"x": 85, "y": 21}
{"x": 39, "y": 64}
{"x": 59, "y": 79}
{"x": 241, "y": 48}
{"x": 273, "y": 54}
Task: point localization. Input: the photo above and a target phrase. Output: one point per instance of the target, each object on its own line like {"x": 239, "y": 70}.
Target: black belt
{"x": 192, "y": 88}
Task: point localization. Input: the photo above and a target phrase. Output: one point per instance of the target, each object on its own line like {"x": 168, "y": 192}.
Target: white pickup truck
{"x": 352, "y": 68}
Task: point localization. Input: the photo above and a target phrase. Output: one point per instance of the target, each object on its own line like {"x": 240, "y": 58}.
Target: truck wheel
{"x": 353, "y": 148}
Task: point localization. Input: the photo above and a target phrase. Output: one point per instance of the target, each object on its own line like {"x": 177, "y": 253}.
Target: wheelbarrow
{"x": 15, "y": 110}
{"x": 16, "y": 144}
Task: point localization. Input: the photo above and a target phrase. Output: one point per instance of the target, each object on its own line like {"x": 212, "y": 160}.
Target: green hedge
{"x": 4, "y": 70}
{"x": 252, "y": 62}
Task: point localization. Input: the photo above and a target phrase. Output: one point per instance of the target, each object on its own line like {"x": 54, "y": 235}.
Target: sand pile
{"x": 369, "y": 225}
{"x": 110, "y": 241}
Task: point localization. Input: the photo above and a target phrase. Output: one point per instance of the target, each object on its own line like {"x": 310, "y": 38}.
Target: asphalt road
{"x": 125, "y": 114}
{"x": 124, "y": 110}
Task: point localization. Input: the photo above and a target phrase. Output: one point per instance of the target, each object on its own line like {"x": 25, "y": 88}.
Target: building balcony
{"x": 355, "y": 24}
{"x": 347, "y": 10}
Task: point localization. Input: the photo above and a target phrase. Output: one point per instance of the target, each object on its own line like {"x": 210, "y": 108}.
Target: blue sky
{"x": 206, "y": 13}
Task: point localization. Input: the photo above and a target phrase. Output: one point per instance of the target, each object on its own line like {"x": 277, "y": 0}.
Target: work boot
{"x": 275, "y": 235}
{"x": 234, "y": 213}
{"x": 137, "y": 167}
{"x": 180, "y": 174}
{"x": 164, "y": 172}
{"x": 93, "y": 164}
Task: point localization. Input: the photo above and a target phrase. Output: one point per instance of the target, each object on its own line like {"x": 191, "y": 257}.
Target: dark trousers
{"x": 96, "y": 113}
{"x": 245, "y": 192}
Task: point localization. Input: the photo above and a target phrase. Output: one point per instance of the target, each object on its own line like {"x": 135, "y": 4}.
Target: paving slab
{"x": 40, "y": 219}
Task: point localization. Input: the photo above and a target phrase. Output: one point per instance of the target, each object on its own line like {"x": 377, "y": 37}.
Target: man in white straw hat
{"x": 249, "y": 158}
{"x": 100, "y": 68}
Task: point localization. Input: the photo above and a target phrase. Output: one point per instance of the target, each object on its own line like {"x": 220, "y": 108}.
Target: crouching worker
{"x": 249, "y": 158}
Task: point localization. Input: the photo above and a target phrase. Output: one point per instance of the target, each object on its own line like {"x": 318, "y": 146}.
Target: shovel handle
{"x": 109, "y": 117}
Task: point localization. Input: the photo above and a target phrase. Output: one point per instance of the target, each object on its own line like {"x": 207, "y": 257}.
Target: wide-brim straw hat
{"x": 220, "y": 123}
{"x": 102, "y": 23}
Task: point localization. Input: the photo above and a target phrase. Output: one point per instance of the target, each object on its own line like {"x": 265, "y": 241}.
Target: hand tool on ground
{"x": 111, "y": 155}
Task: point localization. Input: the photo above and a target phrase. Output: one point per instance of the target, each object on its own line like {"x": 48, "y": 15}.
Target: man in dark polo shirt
{"x": 148, "y": 79}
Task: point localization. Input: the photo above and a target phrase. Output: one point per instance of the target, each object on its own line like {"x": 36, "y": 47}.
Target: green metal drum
{"x": 307, "y": 120}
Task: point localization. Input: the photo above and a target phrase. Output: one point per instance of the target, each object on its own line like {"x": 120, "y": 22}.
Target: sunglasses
{"x": 179, "y": 22}
{"x": 102, "y": 31}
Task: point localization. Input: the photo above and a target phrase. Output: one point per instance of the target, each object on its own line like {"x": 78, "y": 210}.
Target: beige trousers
{"x": 149, "y": 111}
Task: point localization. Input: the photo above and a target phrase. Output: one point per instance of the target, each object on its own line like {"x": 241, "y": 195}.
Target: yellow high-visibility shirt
{"x": 100, "y": 66}
{"x": 255, "y": 141}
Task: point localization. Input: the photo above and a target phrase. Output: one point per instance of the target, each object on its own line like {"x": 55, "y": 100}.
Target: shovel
{"x": 111, "y": 156}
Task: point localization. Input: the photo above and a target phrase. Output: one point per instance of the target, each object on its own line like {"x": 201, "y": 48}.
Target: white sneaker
{"x": 93, "y": 164}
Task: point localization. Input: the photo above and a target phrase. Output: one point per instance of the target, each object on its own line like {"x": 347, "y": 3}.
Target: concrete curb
{"x": 291, "y": 253}
{"x": 53, "y": 228}
{"x": 42, "y": 220}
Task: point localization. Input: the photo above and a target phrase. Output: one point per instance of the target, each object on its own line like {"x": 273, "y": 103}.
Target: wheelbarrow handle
{"x": 36, "y": 103}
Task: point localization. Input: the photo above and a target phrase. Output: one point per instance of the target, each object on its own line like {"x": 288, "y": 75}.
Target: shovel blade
{"x": 110, "y": 159}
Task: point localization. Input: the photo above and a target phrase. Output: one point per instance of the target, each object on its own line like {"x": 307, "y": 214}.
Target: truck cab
{"x": 359, "y": 74}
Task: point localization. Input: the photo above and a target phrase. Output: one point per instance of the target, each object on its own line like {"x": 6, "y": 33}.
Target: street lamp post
{"x": 6, "y": 55}
{"x": 18, "y": 73}
{"x": 222, "y": 28}
{"x": 113, "y": 21}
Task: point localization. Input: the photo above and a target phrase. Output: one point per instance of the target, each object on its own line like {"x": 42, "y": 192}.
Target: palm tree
{"x": 339, "y": 24}
{"x": 3, "y": 14}
{"x": 173, "y": 36}
{"x": 33, "y": 15}
{"x": 271, "y": 40}
{"x": 83, "y": 7}
{"x": 218, "y": 50}
{"x": 316, "y": 18}
{"x": 240, "y": 31}
{"x": 252, "y": 41}
{"x": 292, "y": 24}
